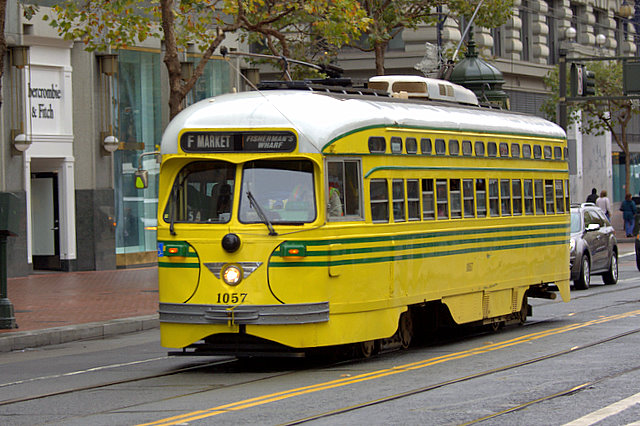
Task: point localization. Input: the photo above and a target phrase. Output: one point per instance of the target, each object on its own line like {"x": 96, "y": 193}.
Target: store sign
{"x": 277, "y": 141}
{"x": 45, "y": 100}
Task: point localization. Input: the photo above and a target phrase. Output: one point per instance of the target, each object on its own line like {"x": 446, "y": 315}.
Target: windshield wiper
{"x": 254, "y": 203}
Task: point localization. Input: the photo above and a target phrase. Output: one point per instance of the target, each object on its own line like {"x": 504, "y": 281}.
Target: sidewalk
{"x": 59, "y": 307}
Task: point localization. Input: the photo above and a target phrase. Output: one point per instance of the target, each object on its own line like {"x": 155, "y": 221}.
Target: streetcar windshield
{"x": 283, "y": 190}
{"x": 202, "y": 193}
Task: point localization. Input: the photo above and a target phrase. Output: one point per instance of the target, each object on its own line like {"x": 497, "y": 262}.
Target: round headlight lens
{"x": 232, "y": 275}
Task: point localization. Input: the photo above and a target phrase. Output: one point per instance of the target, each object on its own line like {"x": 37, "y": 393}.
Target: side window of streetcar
{"x": 454, "y": 147}
{"x": 379, "y": 194}
{"x": 441, "y": 199}
{"x": 467, "y": 197}
{"x": 548, "y": 196}
{"x": 456, "y": 203}
{"x": 528, "y": 196}
{"x": 494, "y": 201}
{"x": 467, "y": 148}
{"x": 398, "y": 200}
{"x": 515, "y": 150}
{"x": 526, "y": 151}
{"x": 492, "y": 149}
{"x": 396, "y": 145}
{"x": 425, "y": 146}
{"x": 411, "y": 145}
{"x": 537, "y": 152}
{"x": 377, "y": 145}
{"x": 559, "y": 197}
{"x": 344, "y": 193}
{"x": 539, "y": 196}
{"x": 504, "y": 149}
{"x": 428, "y": 200}
{"x": 440, "y": 147}
{"x": 481, "y": 197}
{"x": 479, "y": 146}
{"x": 505, "y": 197}
{"x": 413, "y": 199}
{"x": 516, "y": 191}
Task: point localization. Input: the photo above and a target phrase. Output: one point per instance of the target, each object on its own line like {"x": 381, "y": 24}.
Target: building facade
{"x": 74, "y": 124}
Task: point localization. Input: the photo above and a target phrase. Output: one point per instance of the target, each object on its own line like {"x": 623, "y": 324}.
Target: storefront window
{"x": 139, "y": 128}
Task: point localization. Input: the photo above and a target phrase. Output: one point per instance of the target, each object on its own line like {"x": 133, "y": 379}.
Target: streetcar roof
{"x": 319, "y": 118}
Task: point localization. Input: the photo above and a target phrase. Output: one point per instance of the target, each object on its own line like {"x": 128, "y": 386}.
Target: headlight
{"x": 232, "y": 274}
{"x": 572, "y": 244}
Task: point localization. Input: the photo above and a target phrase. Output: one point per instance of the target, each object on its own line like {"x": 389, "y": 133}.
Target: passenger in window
{"x": 223, "y": 206}
{"x": 335, "y": 201}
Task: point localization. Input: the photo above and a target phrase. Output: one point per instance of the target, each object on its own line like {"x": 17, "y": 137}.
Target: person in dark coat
{"x": 628, "y": 208}
{"x": 591, "y": 198}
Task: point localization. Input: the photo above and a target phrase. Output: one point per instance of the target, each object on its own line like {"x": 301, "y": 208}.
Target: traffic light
{"x": 588, "y": 82}
{"x": 141, "y": 179}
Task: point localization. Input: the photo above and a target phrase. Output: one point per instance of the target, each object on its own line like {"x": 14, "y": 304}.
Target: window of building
{"x": 428, "y": 201}
{"x": 492, "y": 149}
{"x": 425, "y": 146}
{"x": 398, "y": 200}
{"x": 467, "y": 197}
{"x": 505, "y": 197}
{"x": 441, "y": 199}
{"x": 481, "y": 197}
{"x": 413, "y": 199}
{"x": 377, "y": 144}
{"x": 379, "y": 200}
{"x": 549, "y": 196}
{"x": 516, "y": 192}
{"x": 494, "y": 198}
{"x": 454, "y": 147}
{"x": 559, "y": 196}
{"x": 396, "y": 145}
{"x": 467, "y": 148}
{"x": 528, "y": 196}
{"x": 515, "y": 150}
{"x": 411, "y": 145}
{"x": 479, "y": 146}
{"x": 539, "y": 196}
{"x": 440, "y": 147}
{"x": 456, "y": 198}
{"x": 344, "y": 186}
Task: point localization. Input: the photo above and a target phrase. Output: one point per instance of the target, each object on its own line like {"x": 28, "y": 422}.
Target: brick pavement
{"x": 56, "y": 299}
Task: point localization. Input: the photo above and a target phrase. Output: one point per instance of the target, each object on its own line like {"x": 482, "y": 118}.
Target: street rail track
{"x": 482, "y": 374}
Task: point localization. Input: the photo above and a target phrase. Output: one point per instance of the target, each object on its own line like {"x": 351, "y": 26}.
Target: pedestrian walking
{"x": 591, "y": 198}
{"x": 604, "y": 204}
{"x": 628, "y": 209}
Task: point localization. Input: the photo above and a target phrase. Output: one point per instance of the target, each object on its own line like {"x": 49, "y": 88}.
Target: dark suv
{"x": 594, "y": 249}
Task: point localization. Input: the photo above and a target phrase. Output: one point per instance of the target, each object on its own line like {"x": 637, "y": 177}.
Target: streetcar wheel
{"x": 584, "y": 279}
{"x": 405, "y": 330}
{"x": 611, "y": 276}
{"x": 366, "y": 349}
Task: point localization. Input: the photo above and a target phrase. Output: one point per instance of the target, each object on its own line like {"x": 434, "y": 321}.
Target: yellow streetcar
{"x": 304, "y": 216}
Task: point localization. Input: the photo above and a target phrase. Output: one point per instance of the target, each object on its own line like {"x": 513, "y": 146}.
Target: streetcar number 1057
{"x": 231, "y": 297}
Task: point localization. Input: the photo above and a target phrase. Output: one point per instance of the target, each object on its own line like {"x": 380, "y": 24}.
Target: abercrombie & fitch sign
{"x": 41, "y": 101}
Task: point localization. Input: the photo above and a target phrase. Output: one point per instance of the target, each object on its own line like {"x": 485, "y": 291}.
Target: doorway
{"x": 45, "y": 221}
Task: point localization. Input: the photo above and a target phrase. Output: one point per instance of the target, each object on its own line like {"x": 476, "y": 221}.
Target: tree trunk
{"x": 380, "y": 47}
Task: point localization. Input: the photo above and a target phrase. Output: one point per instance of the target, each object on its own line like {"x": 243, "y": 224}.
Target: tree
{"x": 115, "y": 24}
{"x": 389, "y": 17}
{"x": 599, "y": 116}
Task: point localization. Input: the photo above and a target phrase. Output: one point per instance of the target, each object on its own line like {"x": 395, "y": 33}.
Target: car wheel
{"x": 611, "y": 276}
{"x": 582, "y": 283}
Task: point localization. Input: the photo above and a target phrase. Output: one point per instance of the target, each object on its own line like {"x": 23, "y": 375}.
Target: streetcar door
{"x": 45, "y": 220}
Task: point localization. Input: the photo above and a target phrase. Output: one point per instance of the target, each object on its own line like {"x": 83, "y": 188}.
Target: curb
{"x": 20, "y": 340}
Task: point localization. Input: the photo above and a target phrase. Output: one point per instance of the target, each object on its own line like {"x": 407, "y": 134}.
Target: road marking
{"x": 279, "y": 396}
{"x": 75, "y": 373}
{"x": 627, "y": 254}
{"x": 608, "y": 411}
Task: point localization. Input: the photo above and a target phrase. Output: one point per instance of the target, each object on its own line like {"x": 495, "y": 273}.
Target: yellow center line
{"x": 279, "y": 396}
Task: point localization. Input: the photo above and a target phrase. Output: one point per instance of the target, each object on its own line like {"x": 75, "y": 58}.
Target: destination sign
{"x": 279, "y": 141}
